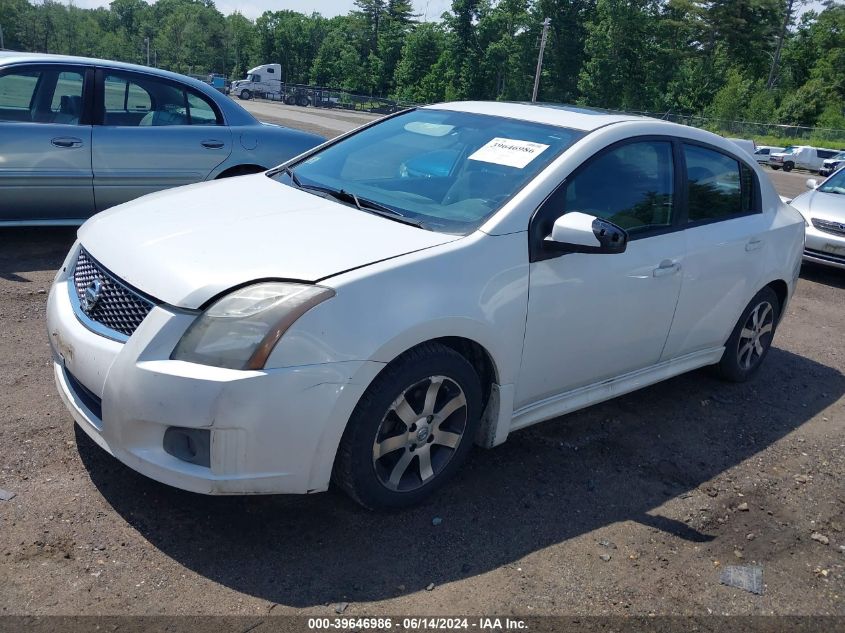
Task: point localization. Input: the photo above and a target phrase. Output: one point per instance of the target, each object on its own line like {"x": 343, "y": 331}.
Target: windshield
{"x": 839, "y": 156}
{"x": 788, "y": 150}
{"x": 834, "y": 184}
{"x": 444, "y": 171}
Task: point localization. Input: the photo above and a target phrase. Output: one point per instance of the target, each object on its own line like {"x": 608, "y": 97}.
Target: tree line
{"x": 754, "y": 60}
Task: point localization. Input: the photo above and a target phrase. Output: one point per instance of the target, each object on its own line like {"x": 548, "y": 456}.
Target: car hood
{"x": 825, "y": 206}
{"x": 187, "y": 245}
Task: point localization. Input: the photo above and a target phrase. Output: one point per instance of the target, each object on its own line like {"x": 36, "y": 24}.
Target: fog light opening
{"x": 189, "y": 445}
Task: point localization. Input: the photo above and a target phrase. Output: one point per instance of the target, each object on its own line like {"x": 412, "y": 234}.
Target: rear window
{"x": 719, "y": 187}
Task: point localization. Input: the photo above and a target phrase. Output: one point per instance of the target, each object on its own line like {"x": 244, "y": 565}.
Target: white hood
{"x": 186, "y": 245}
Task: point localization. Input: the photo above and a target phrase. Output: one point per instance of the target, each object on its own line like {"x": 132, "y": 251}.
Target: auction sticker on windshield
{"x": 508, "y": 151}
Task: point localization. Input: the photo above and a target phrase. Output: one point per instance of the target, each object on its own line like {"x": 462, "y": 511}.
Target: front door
{"x": 45, "y": 144}
{"x": 594, "y": 317}
{"x": 155, "y": 134}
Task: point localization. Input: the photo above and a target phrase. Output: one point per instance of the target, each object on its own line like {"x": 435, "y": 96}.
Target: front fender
{"x": 475, "y": 288}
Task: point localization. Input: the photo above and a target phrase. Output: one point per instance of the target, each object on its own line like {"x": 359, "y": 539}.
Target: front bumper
{"x": 821, "y": 247}
{"x": 272, "y": 431}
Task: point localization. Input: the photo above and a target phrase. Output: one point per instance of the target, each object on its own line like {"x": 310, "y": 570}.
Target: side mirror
{"x": 812, "y": 183}
{"x": 577, "y": 232}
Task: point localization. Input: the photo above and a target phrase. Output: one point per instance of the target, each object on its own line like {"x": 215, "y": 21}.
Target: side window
{"x": 631, "y": 185}
{"x": 256, "y": 78}
{"x": 124, "y": 96}
{"x": 201, "y": 111}
{"x": 719, "y": 187}
{"x": 17, "y": 94}
{"x": 41, "y": 96}
{"x": 66, "y": 104}
{"x": 140, "y": 100}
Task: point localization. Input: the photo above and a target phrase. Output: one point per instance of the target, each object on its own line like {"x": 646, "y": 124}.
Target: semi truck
{"x": 266, "y": 81}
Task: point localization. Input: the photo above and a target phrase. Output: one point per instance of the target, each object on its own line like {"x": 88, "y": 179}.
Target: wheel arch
{"x": 473, "y": 351}
{"x": 240, "y": 170}
{"x": 781, "y": 289}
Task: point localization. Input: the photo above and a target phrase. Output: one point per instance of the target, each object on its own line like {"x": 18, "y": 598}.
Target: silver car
{"x": 823, "y": 207}
{"x": 80, "y": 135}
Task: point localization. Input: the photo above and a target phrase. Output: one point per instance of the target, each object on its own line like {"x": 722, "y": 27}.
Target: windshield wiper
{"x": 363, "y": 204}
{"x": 293, "y": 177}
{"x": 366, "y": 205}
{"x": 371, "y": 206}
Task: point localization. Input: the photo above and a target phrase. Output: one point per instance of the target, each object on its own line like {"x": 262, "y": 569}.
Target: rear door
{"x": 726, "y": 236}
{"x": 155, "y": 133}
{"x": 45, "y": 137}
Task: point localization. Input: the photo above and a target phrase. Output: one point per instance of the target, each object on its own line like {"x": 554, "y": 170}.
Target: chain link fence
{"x": 747, "y": 129}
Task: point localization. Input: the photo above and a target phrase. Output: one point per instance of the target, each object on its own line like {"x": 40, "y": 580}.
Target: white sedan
{"x": 439, "y": 278}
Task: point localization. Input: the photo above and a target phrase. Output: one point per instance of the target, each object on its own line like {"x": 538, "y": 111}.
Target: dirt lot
{"x": 630, "y": 507}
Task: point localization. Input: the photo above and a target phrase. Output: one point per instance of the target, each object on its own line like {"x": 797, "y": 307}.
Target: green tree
{"x": 622, "y": 50}
{"x": 564, "y": 55}
{"x": 338, "y": 64}
{"x": 416, "y": 76}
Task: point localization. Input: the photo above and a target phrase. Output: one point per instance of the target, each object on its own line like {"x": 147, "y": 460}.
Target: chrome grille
{"x": 117, "y": 307}
{"x": 837, "y": 228}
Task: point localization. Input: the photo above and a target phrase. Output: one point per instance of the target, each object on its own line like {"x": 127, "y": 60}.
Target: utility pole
{"x": 2, "y": 45}
{"x": 546, "y": 24}
{"x": 147, "y": 40}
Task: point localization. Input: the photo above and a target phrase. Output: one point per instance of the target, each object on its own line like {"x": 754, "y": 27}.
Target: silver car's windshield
{"x": 441, "y": 170}
{"x": 834, "y": 184}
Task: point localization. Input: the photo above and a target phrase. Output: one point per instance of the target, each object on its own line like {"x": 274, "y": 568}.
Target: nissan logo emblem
{"x": 91, "y": 295}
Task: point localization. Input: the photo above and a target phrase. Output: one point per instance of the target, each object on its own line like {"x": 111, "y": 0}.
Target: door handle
{"x": 753, "y": 244}
{"x": 667, "y": 267}
{"x": 212, "y": 144}
{"x": 67, "y": 141}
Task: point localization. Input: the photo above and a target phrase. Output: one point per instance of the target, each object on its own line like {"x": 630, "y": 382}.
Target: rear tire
{"x": 411, "y": 430}
{"x": 751, "y": 339}
{"x": 302, "y": 101}
{"x": 290, "y": 100}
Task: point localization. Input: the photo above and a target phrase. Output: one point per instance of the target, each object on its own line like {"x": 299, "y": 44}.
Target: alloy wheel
{"x": 420, "y": 433}
{"x": 756, "y": 335}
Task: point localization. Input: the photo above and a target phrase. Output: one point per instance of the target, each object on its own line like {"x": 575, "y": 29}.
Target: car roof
{"x": 10, "y": 57}
{"x": 234, "y": 113}
{"x": 561, "y": 115}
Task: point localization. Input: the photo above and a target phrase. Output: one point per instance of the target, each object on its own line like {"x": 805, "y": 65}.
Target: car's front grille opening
{"x": 836, "y": 228}
{"x": 105, "y": 299}
{"x": 87, "y": 397}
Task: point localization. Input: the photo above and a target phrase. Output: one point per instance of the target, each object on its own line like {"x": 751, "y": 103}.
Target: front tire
{"x": 774, "y": 167}
{"x": 751, "y": 338}
{"x": 788, "y": 166}
{"x": 411, "y": 430}
{"x": 246, "y": 95}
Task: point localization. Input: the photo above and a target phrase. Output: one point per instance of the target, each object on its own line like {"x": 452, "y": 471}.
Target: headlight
{"x": 240, "y": 330}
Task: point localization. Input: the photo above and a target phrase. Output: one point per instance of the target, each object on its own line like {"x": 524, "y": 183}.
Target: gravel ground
{"x": 631, "y": 507}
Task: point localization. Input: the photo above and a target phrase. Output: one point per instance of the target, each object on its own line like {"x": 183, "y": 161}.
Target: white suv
{"x": 366, "y": 323}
